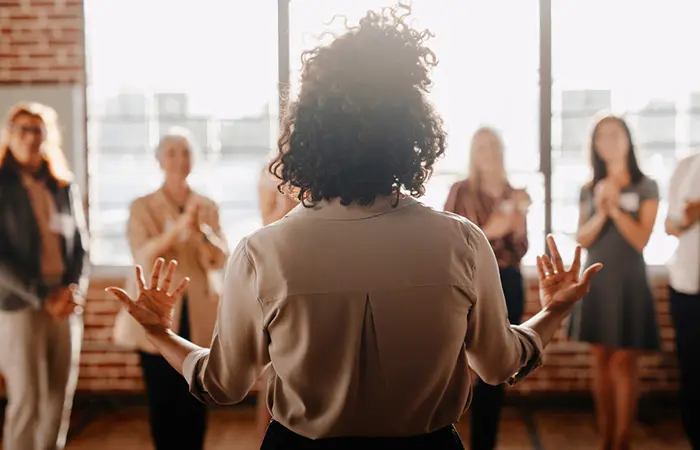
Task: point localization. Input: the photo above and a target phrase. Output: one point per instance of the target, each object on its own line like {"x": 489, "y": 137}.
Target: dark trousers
{"x": 685, "y": 314}
{"x": 487, "y": 400}
{"x": 177, "y": 419}
{"x": 279, "y": 437}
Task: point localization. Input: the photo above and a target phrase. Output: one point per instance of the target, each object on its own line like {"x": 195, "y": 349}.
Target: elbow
{"x": 580, "y": 240}
{"x": 497, "y": 374}
{"x": 223, "y": 395}
{"x": 495, "y": 379}
{"x": 643, "y": 241}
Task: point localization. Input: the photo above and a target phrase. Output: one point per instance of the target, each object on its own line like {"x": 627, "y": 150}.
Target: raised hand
{"x": 561, "y": 288}
{"x": 154, "y": 305}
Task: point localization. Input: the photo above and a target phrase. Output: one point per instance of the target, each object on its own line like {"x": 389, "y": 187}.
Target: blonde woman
{"x": 176, "y": 222}
{"x": 488, "y": 200}
{"x": 43, "y": 277}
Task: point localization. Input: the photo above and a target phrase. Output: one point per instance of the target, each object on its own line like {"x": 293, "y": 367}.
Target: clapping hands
{"x": 63, "y": 301}
{"x": 607, "y": 196}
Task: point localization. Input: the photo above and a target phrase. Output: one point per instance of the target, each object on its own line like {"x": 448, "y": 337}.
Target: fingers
{"x": 122, "y": 296}
{"x": 556, "y": 257}
{"x": 140, "y": 280}
{"x": 588, "y": 273}
{"x": 576, "y": 264}
{"x": 169, "y": 272}
{"x": 181, "y": 288}
{"x": 540, "y": 269}
{"x": 549, "y": 268}
{"x": 156, "y": 273}
{"x": 68, "y": 309}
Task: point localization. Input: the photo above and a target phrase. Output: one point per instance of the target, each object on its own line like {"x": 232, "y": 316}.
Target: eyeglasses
{"x": 24, "y": 130}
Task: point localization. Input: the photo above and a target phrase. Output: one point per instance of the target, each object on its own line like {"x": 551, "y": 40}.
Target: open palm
{"x": 154, "y": 305}
{"x": 560, "y": 287}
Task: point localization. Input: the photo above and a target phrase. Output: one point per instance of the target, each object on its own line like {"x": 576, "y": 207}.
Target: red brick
{"x": 42, "y": 42}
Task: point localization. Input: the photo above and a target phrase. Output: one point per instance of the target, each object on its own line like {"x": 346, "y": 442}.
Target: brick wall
{"x": 566, "y": 369}
{"x": 41, "y": 42}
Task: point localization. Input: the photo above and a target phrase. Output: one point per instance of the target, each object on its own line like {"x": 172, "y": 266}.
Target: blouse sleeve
{"x": 224, "y": 373}
{"x": 648, "y": 190}
{"x": 498, "y": 351}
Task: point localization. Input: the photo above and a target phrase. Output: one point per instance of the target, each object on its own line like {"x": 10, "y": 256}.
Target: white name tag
{"x": 629, "y": 201}
{"x": 62, "y": 224}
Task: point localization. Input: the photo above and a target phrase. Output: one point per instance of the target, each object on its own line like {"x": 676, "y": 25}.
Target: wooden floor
{"x": 233, "y": 429}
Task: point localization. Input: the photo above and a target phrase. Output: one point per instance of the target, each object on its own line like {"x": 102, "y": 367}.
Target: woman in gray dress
{"x": 618, "y": 316}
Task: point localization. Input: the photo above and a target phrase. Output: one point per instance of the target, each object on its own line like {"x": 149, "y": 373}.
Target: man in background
{"x": 683, "y": 222}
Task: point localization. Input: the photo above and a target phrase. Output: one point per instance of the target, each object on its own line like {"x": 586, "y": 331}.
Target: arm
{"x": 144, "y": 247}
{"x": 225, "y": 373}
{"x": 79, "y": 271}
{"x": 672, "y": 224}
{"x": 213, "y": 249}
{"x": 637, "y": 233}
{"x": 496, "y": 349}
{"x": 521, "y": 243}
{"x": 589, "y": 226}
{"x": 451, "y": 203}
{"x": 673, "y": 228}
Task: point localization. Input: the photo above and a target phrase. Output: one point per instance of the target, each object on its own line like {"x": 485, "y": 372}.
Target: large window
{"x": 635, "y": 59}
{"x": 209, "y": 66}
{"x": 484, "y": 77}
{"x": 212, "y": 66}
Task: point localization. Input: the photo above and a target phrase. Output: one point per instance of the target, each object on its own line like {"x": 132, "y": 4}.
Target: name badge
{"x": 629, "y": 202}
{"x": 62, "y": 224}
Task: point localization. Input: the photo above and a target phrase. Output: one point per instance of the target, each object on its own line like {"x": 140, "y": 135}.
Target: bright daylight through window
{"x": 211, "y": 66}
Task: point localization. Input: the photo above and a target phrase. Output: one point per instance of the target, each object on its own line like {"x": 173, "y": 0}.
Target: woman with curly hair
{"x": 368, "y": 305}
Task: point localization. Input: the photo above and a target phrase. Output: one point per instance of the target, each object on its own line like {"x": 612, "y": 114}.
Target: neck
{"x": 617, "y": 170}
{"x": 178, "y": 190}
{"x": 491, "y": 182}
{"x": 31, "y": 166}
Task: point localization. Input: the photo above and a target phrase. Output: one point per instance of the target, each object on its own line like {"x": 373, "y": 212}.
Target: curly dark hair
{"x": 362, "y": 126}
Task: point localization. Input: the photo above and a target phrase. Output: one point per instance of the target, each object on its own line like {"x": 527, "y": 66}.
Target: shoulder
{"x": 685, "y": 166}
{"x": 647, "y": 185}
{"x": 142, "y": 202}
{"x": 206, "y": 201}
{"x": 586, "y": 191}
{"x": 461, "y": 185}
{"x": 446, "y": 223}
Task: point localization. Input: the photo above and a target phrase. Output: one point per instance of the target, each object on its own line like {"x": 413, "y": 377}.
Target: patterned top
{"x": 477, "y": 206}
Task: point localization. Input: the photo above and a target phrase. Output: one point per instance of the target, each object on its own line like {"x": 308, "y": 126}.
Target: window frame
{"x": 545, "y": 117}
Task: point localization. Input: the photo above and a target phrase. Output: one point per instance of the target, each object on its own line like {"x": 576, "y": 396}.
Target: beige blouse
{"x": 148, "y": 219}
{"x": 370, "y": 317}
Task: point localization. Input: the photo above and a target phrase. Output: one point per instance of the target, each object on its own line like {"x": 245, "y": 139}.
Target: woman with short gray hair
{"x": 175, "y": 222}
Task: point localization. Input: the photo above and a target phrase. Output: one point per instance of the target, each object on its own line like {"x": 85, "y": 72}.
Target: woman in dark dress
{"x": 618, "y": 317}
{"x": 488, "y": 200}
